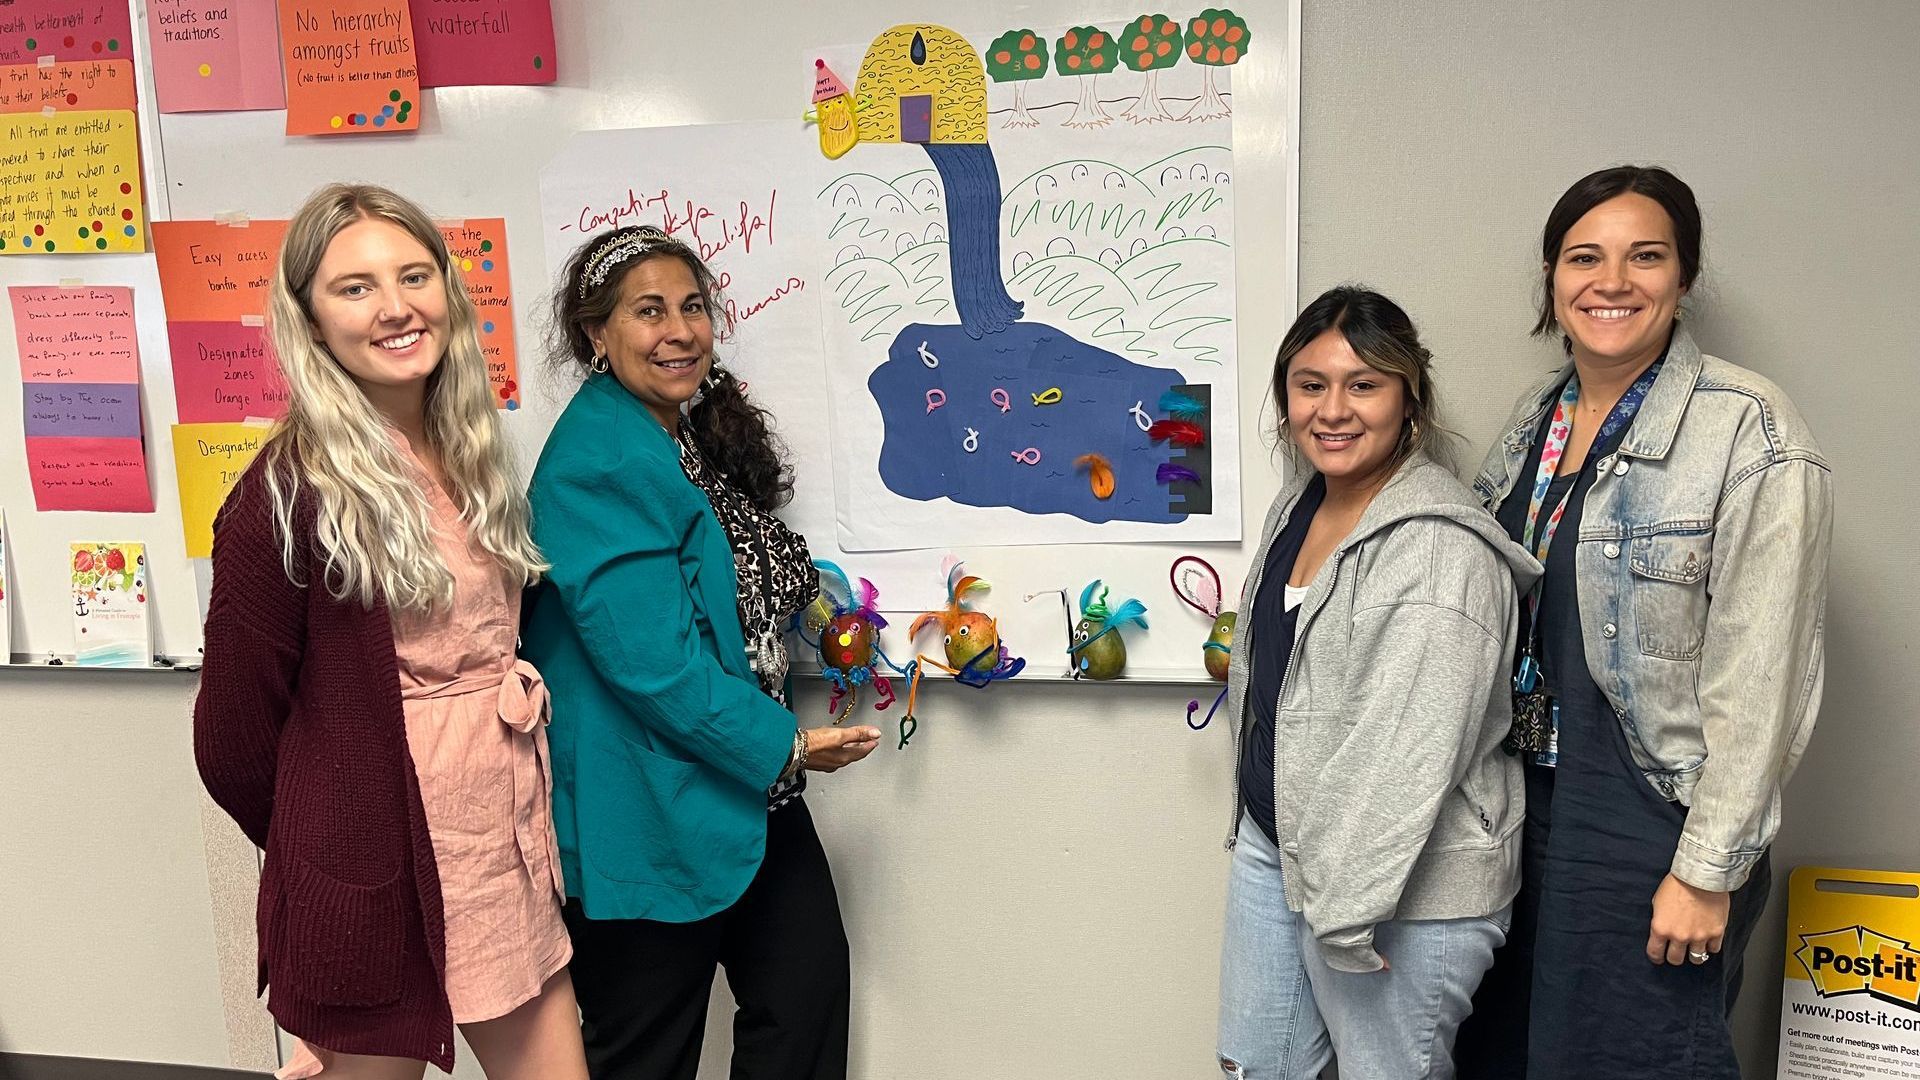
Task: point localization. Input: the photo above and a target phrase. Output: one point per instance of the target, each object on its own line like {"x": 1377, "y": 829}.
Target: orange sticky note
{"x": 67, "y": 84}
{"x": 479, "y": 250}
{"x": 211, "y": 272}
{"x": 352, "y": 66}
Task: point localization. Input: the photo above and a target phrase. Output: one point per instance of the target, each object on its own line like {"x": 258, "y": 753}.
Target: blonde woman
{"x": 362, "y": 715}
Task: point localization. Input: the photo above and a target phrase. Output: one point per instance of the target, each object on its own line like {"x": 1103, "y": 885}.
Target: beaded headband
{"x": 616, "y": 250}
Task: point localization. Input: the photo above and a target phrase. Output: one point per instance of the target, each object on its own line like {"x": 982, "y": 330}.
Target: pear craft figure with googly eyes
{"x": 849, "y": 640}
{"x": 1096, "y": 647}
{"x": 975, "y": 654}
{"x": 1198, "y": 583}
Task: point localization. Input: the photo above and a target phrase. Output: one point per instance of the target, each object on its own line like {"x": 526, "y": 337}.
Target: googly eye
{"x": 963, "y": 631}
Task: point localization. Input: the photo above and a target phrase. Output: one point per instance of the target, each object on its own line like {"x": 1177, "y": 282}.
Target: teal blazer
{"x": 663, "y": 745}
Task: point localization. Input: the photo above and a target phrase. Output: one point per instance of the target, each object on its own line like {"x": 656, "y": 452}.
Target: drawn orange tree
{"x": 1086, "y": 51}
{"x": 1150, "y": 43}
{"x": 1215, "y": 38}
{"x": 1017, "y": 56}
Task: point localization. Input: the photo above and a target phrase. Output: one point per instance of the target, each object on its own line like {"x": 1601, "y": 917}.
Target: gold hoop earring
{"x": 1413, "y": 432}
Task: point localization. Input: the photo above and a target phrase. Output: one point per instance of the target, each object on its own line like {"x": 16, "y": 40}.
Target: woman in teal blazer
{"x": 677, "y": 764}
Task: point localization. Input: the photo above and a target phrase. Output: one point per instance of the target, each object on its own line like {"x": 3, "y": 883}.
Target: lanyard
{"x": 1555, "y": 448}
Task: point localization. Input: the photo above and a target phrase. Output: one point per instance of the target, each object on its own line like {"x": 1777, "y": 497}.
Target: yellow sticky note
{"x": 1899, "y": 974}
{"x": 1829, "y": 959}
{"x": 73, "y": 183}
{"x": 207, "y": 461}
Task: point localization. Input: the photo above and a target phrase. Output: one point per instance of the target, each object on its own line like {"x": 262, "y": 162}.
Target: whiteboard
{"x": 38, "y": 544}
{"x": 479, "y": 152}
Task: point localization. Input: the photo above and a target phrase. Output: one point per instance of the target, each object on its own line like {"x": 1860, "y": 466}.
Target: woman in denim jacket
{"x": 1671, "y": 658}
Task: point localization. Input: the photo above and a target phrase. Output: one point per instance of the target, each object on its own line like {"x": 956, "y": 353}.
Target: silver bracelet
{"x": 797, "y": 758}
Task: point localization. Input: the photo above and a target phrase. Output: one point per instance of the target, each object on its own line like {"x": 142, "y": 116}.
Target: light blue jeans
{"x": 1284, "y": 1014}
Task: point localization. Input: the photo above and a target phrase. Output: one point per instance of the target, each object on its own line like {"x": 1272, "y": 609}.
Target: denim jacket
{"x": 1702, "y": 576}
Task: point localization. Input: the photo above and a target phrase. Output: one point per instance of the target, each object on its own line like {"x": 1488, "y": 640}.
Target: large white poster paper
{"x": 1030, "y": 265}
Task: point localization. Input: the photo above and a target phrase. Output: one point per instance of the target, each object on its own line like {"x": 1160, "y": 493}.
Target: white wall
{"x": 108, "y": 944}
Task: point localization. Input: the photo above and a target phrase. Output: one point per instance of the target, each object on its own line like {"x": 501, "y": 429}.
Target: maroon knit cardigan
{"x": 300, "y": 736}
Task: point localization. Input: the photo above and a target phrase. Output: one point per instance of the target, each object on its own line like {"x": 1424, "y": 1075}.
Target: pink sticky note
{"x": 504, "y": 43}
{"x": 215, "y": 57}
{"x": 224, "y": 372}
{"x": 82, "y": 335}
{"x": 65, "y": 30}
{"x": 89, "y": 474}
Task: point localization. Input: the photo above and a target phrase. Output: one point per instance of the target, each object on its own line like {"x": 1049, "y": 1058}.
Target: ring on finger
{"x": 1698, "y": 956}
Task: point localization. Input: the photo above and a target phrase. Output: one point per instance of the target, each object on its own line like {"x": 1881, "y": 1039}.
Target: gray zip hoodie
{"x": 1393, "y": 799}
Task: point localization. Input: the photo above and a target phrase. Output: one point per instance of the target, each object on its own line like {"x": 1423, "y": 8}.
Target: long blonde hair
{"x": 373, "y": 526}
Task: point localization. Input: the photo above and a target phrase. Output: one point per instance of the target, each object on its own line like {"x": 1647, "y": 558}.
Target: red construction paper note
{"x": 479, "y": 249}
{"x": 215, "y": 55}
{"x": 69, "y": 84}
{"x": 65, "y": 30}
{"x": 82, "y": 335}
{"x": 224, "y": 372}
{"x": 89, "y": 474}
{"x": 491, "y": 43}
{"x": 351, "y": 66}
{"x": 210, "y": 272}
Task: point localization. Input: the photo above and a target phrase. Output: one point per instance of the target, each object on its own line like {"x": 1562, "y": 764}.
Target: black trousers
{"x": 643, "y": 985}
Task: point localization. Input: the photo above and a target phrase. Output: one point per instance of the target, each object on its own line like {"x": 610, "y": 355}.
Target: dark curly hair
{"x": 732, "y": 433}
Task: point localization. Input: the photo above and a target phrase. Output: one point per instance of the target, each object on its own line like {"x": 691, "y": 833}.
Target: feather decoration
{"x": 1181, "y": 407}
{"x": 1099, "y": 474}
{"x": 1179, "y": 432}
{"x": 835, "y": 586}
{"x": 951, "y": 568}
{"x": 1170, "y": 473}
{"x": 1129, "y": 611}
{"x": 868, "y": 602}
{"x": 969, "y": 584}
{"x": 922, "y": 623}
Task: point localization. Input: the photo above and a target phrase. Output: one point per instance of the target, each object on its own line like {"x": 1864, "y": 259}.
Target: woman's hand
{"x": 832, "y": 748}
{"x": 1687, "y": 923}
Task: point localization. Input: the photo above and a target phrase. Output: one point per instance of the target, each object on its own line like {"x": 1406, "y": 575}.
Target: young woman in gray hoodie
{"x": 1376, "y": 845}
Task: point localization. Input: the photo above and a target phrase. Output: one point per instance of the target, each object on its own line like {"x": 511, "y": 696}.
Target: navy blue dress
{"x": 1572, "y": 995}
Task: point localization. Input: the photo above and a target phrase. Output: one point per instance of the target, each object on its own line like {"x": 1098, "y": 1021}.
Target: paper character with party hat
{"x": 833, "y": 111}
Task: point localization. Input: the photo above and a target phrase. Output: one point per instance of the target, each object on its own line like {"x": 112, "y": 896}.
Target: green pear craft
{"x": 1096, "y": 647}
